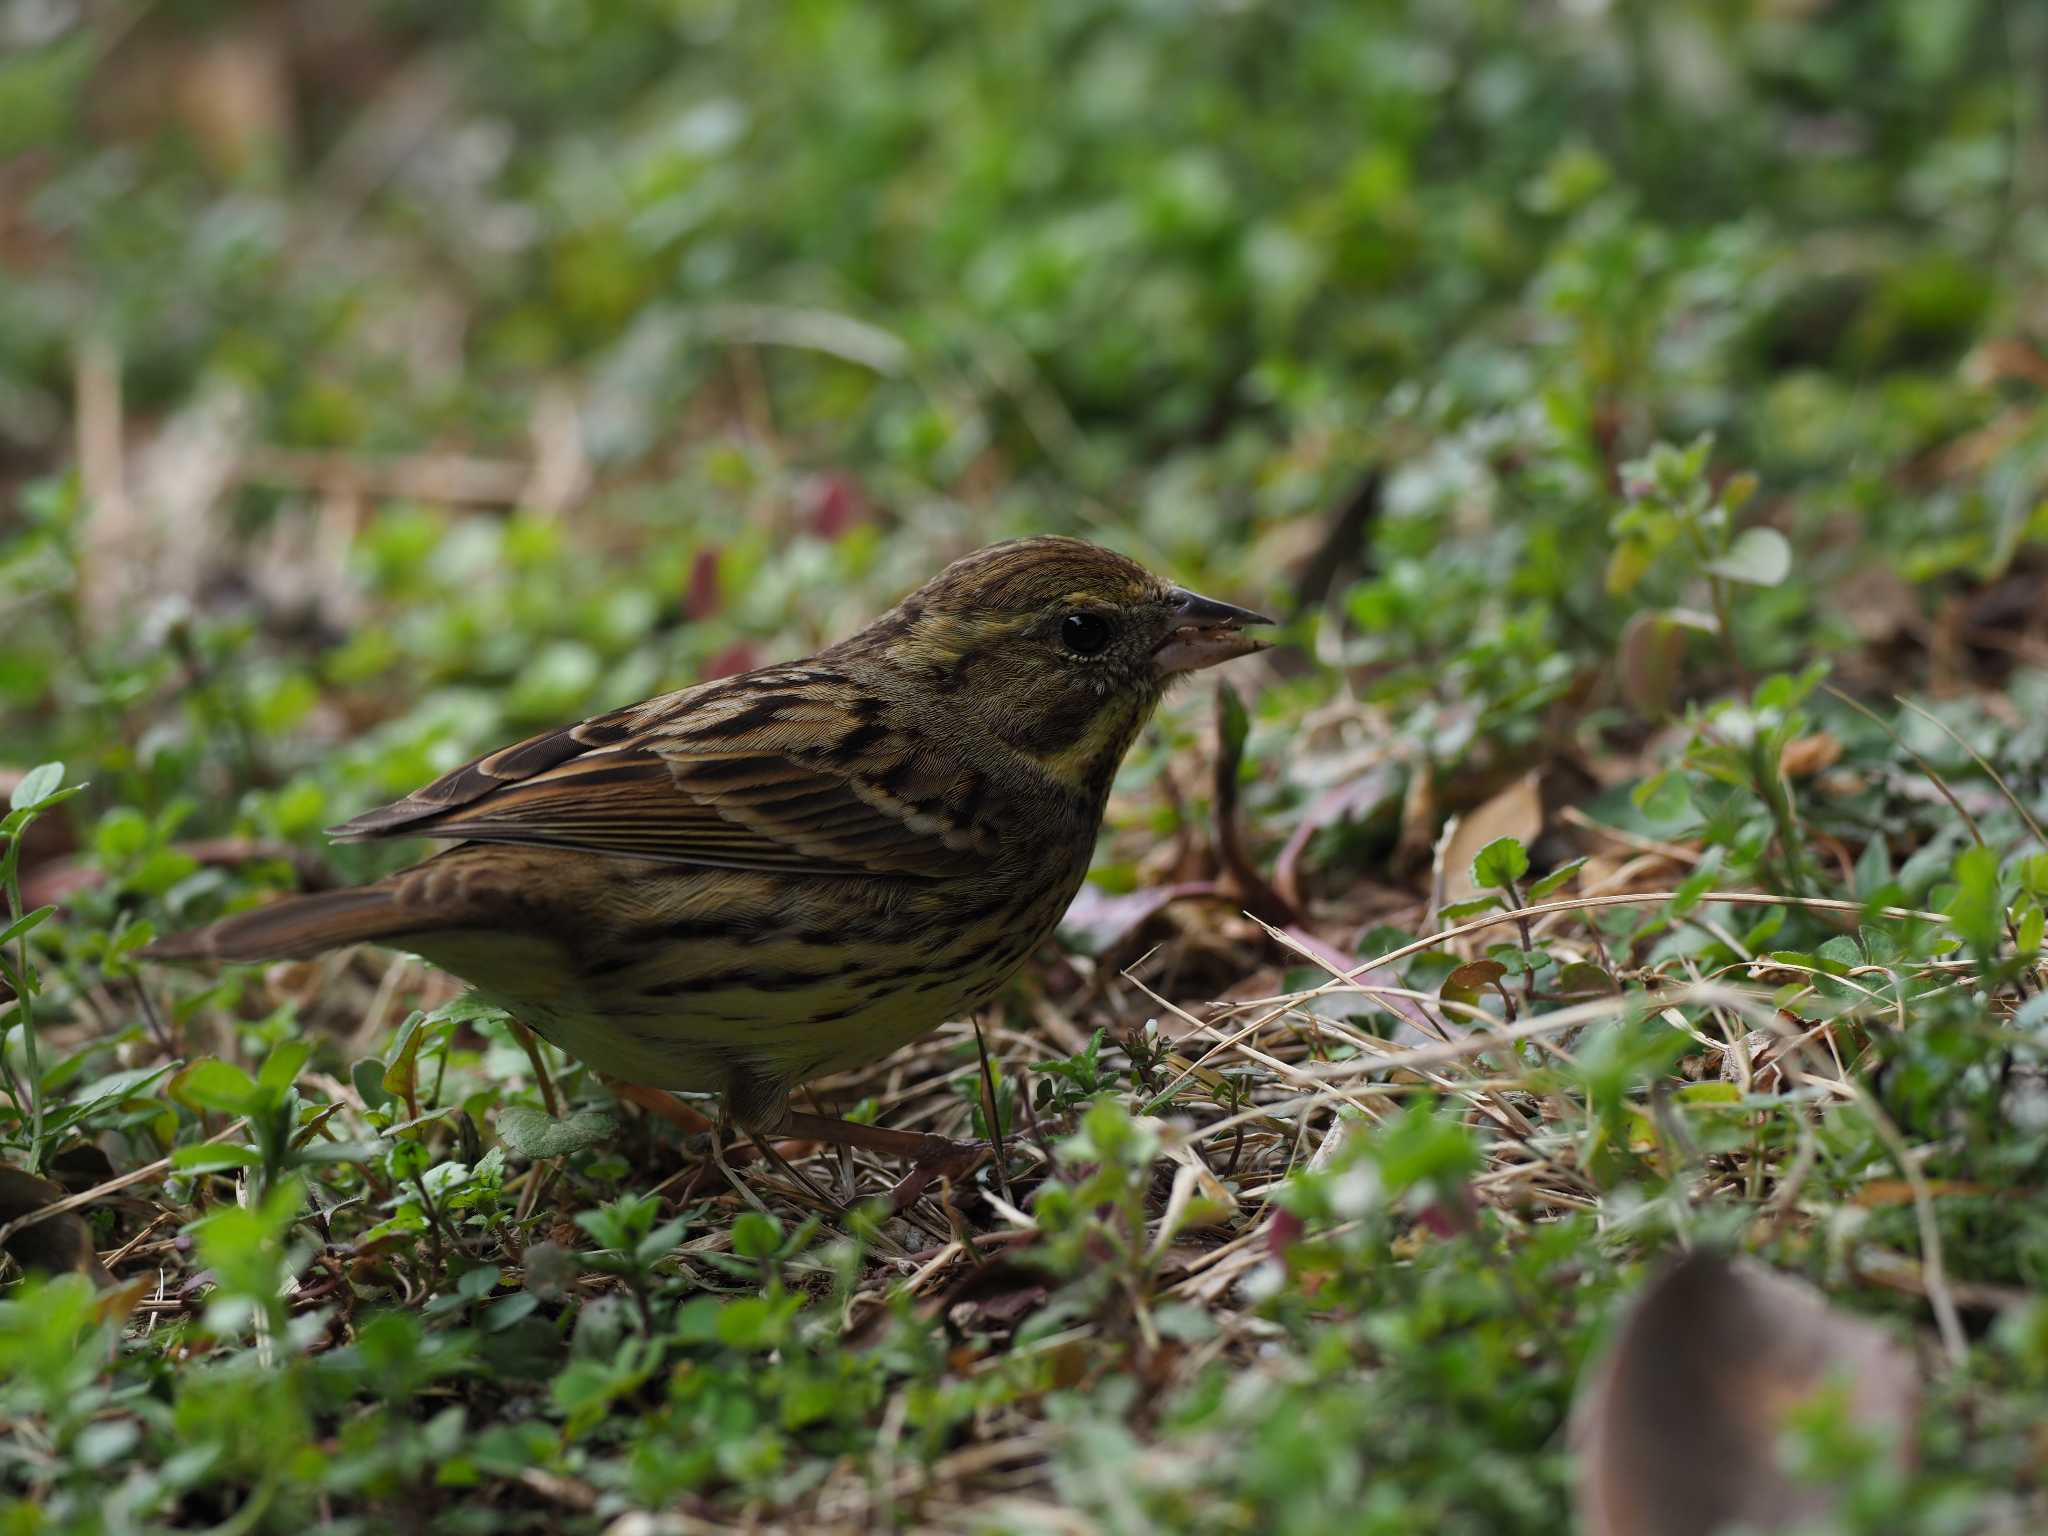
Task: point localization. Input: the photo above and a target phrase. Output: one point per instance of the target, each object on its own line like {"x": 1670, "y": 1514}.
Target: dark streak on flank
{"x": 739, "y": 979}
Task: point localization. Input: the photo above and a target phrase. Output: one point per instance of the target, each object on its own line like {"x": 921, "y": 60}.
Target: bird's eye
{"x": 1085, "y": 634}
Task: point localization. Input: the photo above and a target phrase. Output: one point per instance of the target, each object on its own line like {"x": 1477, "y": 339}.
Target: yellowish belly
{"x": 695, "y": 1019}
{"x": 744, "y": 984}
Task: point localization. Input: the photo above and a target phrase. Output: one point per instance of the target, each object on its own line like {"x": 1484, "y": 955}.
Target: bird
{"x": 766, "y": 878}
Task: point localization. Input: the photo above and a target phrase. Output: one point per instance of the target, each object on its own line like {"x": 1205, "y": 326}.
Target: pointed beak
{"x": 1206, "y": 632}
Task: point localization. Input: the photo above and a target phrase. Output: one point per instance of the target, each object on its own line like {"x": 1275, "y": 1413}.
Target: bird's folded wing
{"x": 752, "y": 786}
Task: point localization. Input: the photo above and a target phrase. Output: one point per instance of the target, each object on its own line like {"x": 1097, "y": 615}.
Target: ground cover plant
{"x": 1638, "y": 413}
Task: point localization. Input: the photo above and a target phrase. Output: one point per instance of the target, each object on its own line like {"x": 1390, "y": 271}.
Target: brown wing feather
{"x": 483, "y": 775}
{"x": 777, "y": 776}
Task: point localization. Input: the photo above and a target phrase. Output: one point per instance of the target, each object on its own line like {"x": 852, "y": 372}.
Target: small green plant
{"x": 39, "y": 791}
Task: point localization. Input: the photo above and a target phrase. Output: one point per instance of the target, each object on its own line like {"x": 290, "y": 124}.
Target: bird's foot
{"x": 931, "y": 1157}
{"x": 941, "y": 1159}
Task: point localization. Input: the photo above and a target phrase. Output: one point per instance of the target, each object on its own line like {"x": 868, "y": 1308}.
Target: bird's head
{"x": 1059, "y": 647}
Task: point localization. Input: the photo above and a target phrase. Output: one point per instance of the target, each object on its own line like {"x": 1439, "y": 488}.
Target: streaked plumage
{"x": 751, "y": 882}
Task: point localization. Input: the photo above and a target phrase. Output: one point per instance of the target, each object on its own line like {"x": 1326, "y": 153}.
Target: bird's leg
{"x": 795, "y": 1174}
{"x": 930, "y": 1157}
{"x": 718, "y": 1158}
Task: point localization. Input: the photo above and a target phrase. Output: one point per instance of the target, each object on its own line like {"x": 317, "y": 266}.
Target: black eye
{"x": 1084, "y": 633}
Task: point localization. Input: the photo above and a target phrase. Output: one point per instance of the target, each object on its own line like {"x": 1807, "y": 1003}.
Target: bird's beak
{"x": 1205, "y": 632}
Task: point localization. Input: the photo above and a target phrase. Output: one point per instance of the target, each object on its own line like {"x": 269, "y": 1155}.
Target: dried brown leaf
{"x": 1355, "y": 797}
{"x": 1678, "y": 1428}
{"x": 1807, "y": 755}
{"x": 1516, "y": 812}
{"x": 1648, "y": 659}
{"x": 60, "y": 1244}
{"x": 1097, "y": 921}
{"x": 1465, "y": 983}
{"x": 1417, "y": 1025}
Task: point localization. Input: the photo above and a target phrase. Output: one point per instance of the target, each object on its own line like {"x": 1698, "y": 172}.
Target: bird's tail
{"x": 294, "y": 928}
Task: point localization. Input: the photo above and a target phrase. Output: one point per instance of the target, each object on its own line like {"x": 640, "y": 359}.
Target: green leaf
{"x": 401, "y": 1078}
{"x": 115, "y": 1087}
{"x": 1582, "y": 980}
{"x": 1499, "y": 864}
{"x": 1665, "y": 801}
{"x": 1759, "y": 557}
{"x": 1697, "y": 884}
{"x": 1627, "y": 564}
{"x": 121, "y": 834}
{"x": 1975, "y": 908}
{"x": 2033, "y": 1013}
{"x": 368, "y": 1077}
{"x": 1709, "y": 1093}
{"x": 1873, "y": 867}
{"x": 756, "y": 1236}
{"x": 281, "y": 1067}
{"x": 36, "y": 786}
{"x": 533, "y": 1134}
{"x": 1458, "y": 911}
{"x": 1555, "y": 880}
{"x": 22, "y": 925}
{"x": 2032, "y": 923}
{"x": 216, "y": 1085}
{"x": 216, "y": 1158}
{"x": 1838, "y": 956}
{"x": 664, "y": 1240}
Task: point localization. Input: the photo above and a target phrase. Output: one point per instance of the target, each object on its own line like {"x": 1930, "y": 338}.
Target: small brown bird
{"x": 755, "y": 881}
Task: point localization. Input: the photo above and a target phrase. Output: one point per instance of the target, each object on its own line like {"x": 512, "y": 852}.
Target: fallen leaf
{"x": 1198, "y": 1199}
{"x": 1352, "y": 800}
{"x": 998, "y": 1293}
{"x": 60, "y": 1244}
{"x": 1649, "y": 659}
{"x": 1898, "y": 1192}
{"x": 1096, "y": 921}
{"x": 1805, "y": 756}
{"x": 1516, "y": 812}
{"x": 1418, "y": 1027}
{"x": 2002, "y": 358}
{"x": 1877, "y": 604}
{"x": 1468, "y": 981}
{"x": 531, "y": 1133}
{"x": 119, "y": 1304}
{"x": 1678, "y": 1428}
{"x": 1764, "y": 1052}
